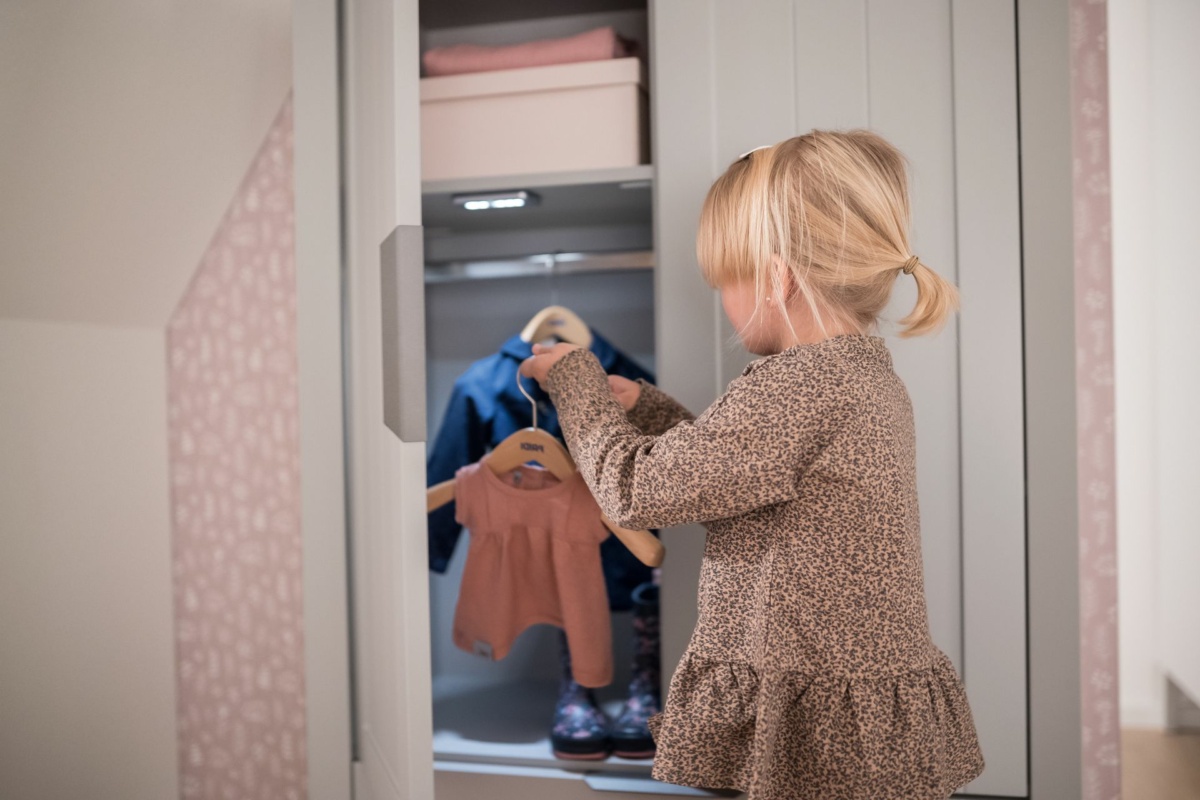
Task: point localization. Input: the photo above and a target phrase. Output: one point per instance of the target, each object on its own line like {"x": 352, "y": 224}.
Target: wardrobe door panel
{"x": 830, "y": 65}
{"x": 886, "y": 66}
{"x": 686, "y": 310}
{"x": 993, "y": 425}
{"x": 754, "y": 94}
{"x": 910, "y": 102}
{"x": 755, "y": 80}
{"x": 936, "y": 77}
{"x": 393, "y": 724}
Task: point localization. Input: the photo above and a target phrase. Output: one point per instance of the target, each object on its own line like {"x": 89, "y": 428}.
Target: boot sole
{"x": 634, "y": 755}
{"x": 633, "y": 747}
{"x": 581, "y": 756}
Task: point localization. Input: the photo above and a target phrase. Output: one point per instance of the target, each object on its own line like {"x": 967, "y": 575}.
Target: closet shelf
{"x": 540, "y": 180}
{"x": 545, "y": 265}
{"x": 508, "y": 724}
{"x": 603, "y": 197}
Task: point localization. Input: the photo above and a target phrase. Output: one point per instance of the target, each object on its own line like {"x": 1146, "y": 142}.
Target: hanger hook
{"x": 532, "y": 402}
{"x": 552, "y": 274}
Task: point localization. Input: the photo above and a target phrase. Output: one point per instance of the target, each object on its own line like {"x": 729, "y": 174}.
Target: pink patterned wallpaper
{"x": 234, "y": 460}
{"x": 1095, "y": 401}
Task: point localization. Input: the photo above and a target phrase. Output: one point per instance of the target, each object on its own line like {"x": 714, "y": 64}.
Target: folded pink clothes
{"x": 594, "y": 45}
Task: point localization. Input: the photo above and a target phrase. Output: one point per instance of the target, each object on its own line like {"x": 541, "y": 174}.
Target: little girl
{"x": 811, "y": 672}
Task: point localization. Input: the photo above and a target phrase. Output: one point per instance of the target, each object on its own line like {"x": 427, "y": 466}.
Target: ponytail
{"x": 833, "y": 208}
{"x": 937, "y": 299}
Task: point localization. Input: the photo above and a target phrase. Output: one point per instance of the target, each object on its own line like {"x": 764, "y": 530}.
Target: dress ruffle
{"x": 792, "y": 735}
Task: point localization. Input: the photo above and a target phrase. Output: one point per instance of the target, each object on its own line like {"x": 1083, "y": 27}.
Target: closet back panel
{"x": 469, "y": 320}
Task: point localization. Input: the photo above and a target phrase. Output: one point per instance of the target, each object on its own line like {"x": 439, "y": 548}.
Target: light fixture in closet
{"x": 490, "y": 200}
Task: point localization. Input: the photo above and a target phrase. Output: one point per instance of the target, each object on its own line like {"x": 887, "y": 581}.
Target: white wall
{"x": 87, "y": 690}
{"x": 1136, "y": 359}
{"x": 1155, "y": 99}
{"x": 1175, "y": 115}
{"x": 125, "y": 128}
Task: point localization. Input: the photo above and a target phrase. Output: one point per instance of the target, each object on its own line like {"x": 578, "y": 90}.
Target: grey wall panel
{"x": 911, "y": 103}
{"x": 993, "y": 452}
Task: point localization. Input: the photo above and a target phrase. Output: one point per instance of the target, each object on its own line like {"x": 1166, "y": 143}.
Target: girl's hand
{"x": 626, "y": 391}
{"x": 538, "y": 365}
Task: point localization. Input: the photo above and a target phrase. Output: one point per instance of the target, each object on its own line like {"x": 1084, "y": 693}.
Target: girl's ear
{"x": 787, "y": 281}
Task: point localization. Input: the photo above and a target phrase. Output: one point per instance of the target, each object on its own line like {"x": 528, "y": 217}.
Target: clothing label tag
{"x": 483, "y": 649}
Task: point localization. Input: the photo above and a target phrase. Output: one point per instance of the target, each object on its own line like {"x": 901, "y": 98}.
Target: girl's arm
{"x": 745, "y": 452}
{"x": 655, "y": 411}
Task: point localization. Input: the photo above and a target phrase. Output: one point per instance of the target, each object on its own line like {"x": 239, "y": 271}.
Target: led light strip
{"x": 484, "y": 202}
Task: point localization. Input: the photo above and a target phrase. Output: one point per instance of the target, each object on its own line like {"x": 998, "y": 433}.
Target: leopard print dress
{"x": 810, "y": 673}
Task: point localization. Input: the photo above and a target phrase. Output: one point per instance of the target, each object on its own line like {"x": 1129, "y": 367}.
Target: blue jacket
{"x": 485, "y": 407}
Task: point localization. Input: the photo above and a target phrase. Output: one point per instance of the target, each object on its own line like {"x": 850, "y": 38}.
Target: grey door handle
{"x": 402, "y": 284}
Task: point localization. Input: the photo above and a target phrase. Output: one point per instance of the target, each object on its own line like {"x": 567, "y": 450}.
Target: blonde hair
{"x": 832, "y": 207}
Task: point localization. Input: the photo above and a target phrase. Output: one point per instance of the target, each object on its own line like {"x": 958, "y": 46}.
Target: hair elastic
{"x": 910, "y": 265}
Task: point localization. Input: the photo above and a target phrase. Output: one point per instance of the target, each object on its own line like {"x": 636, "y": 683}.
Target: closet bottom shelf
{"x": 509, "y": 724}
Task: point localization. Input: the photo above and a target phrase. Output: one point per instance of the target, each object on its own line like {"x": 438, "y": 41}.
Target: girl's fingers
{"x": 625, "y": 390}
{"x": 536, "y": 367}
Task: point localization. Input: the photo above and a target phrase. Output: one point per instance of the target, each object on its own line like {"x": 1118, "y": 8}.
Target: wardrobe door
{"x": 991, "y": 388}
{"x": 384, "y": 294}
{"x": 937, "y": 78}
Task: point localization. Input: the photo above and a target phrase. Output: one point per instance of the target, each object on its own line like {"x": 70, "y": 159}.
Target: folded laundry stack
{"x": 599, "y": 44}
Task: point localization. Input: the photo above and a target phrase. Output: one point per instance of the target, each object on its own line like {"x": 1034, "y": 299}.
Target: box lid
{"x": 534, "y": 79}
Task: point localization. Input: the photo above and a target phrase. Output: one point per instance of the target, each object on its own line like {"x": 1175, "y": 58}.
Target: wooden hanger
{"x": 521, "y": 447}
{"x": 534, "y": 444}
{"x": 560, "y": 322}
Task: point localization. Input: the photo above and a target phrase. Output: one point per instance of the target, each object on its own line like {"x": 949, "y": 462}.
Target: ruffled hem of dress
{"x": 797, "y": 735}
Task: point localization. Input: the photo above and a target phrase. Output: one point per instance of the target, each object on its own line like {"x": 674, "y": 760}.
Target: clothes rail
{"x": 539, "y": 265}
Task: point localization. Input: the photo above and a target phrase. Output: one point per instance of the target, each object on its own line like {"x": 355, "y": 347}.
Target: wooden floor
{"x": 1159, "y": 766}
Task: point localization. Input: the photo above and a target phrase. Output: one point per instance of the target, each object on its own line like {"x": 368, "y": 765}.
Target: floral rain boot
{"x": 630, "y": 734}
{"x": 581, "y": 729}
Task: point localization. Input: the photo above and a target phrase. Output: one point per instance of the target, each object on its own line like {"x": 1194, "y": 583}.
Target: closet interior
{"x": 501, "y": 246}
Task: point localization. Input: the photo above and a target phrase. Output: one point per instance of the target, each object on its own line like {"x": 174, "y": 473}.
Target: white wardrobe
{"x": 936, "y": 77}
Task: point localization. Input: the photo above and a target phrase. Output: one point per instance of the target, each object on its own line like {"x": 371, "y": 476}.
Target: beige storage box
{"x": 588, "y": 115}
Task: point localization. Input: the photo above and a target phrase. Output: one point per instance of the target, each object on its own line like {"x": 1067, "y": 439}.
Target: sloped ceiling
{"x": 125, "y": 128}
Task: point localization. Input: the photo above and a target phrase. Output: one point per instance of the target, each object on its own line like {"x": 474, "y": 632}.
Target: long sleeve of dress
{"x": 655, "y": 411}
{"x": 745, "y": 452}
